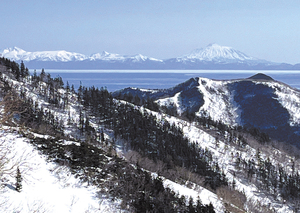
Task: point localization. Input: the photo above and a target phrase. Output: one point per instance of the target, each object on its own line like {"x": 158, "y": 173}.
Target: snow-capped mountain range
{"x": 18, "y": 54}
{"x": 213, "y": 56}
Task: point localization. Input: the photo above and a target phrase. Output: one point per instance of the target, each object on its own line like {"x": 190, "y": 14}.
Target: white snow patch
{"x": 205, "y": 195}
{"x": 217, "y": 103}
{"x": 47, "y": 187}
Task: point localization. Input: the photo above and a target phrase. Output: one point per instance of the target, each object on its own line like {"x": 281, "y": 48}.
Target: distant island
{"x": 212, "y": 57}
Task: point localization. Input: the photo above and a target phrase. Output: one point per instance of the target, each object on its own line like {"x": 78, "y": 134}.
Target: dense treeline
{"x": 136, "y": 100}
{"x": 164, "y": 142}
{"x": 153, "y": 139}
{"x": 18, "y": 71}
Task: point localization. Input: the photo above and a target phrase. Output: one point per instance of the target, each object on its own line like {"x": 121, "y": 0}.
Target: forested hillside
{"x": 138, "y": 155}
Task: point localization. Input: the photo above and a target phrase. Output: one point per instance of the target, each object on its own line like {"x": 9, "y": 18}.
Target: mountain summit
{"x": 219, "y": 54}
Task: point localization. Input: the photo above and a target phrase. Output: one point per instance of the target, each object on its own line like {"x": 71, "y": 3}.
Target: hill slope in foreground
{"x": 85, "y": 151}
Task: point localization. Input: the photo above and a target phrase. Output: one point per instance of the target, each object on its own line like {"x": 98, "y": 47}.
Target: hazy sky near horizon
{"x": 266, "y": 29}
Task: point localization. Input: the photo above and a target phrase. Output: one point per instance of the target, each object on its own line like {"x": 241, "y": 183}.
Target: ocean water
{"x": 160, "y": 79}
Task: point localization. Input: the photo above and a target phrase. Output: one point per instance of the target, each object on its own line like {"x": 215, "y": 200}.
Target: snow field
{"x": 46, "y": 187}
{"x": 205, "y": 195}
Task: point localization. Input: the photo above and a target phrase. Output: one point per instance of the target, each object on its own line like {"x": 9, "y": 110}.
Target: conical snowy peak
{"x": 217, "y": 53}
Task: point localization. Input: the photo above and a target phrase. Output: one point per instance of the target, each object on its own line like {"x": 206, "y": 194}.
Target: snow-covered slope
{"x": 265, "y": 104}
{"x": 46, "y": 187}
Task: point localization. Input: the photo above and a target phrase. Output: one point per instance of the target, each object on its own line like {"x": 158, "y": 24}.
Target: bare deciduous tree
{"x": 11, "y": 106}
{"x": 234, "y": 200}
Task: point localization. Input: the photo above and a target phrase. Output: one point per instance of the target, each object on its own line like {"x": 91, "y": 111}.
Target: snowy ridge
{"x": 172, "y": 100}
{"x": 271, "y": 106}
{"x": 18, "y": 54}
{"x": 219, "y": 103}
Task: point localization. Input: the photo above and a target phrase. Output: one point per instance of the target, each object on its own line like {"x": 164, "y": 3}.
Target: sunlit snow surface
{"x": 17, "y": 54}
{"x": 205, "y": 195}
{"x": 217, "y": 101}
{"x": 46, "y": 186}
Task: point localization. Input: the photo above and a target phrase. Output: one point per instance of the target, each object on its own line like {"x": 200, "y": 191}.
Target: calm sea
{"x": 157, "y": 79}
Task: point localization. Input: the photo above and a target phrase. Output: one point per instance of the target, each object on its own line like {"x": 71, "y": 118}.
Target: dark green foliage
{"x": 18, "y": 180}
{"x": 18, "y": 72}
{"x": 163, "y": 142}
{"x": 157, "y": 141}
{"x": 234, "y": 132}
{"x": 24, "y": 72}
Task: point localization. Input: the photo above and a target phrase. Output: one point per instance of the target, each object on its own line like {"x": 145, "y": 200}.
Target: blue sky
{"x": 267, "y": 29}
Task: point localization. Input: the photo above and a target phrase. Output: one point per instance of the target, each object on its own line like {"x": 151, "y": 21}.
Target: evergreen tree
{"x": 22, "y": 69}
{"x": 18, "y": 180}
{"x": 42, "y": 75}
